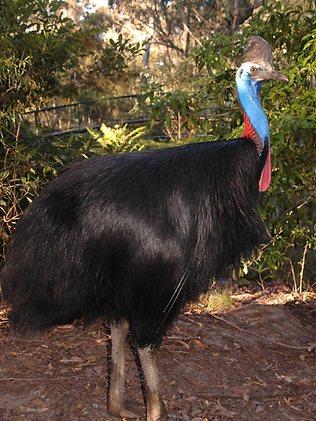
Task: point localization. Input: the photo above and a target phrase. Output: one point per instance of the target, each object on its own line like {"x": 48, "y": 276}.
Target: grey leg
{"x": 117, "y": 376}
{"x": 155, "y": 406}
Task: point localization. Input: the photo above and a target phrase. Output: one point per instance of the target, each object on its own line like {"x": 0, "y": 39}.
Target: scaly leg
{"x": 155, "y": 407}
{"x": 117, "y": 375}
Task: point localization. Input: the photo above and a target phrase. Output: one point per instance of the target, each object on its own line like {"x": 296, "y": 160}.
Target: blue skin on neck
{"x": 249, "y": 97}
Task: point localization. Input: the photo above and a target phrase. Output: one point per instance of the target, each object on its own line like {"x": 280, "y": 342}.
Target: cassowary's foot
{"x": 156, "y": 410}
{"x": 155, "y": 407}
{"x": 121, "y": 412}
{"x": 117, "y": 377}
{"x": 116, "y": 405}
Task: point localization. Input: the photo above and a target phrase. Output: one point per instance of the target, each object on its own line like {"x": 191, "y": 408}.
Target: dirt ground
{"x": 210, "y": 370}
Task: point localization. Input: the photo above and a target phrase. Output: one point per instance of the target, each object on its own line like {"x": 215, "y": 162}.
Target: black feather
{"x": 134, "y": 236}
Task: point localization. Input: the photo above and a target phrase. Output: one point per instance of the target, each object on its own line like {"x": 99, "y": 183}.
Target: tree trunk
{"x": 146, "y": 55}
{"x": 187, "y": 29}
{"x": 237, "y": 12}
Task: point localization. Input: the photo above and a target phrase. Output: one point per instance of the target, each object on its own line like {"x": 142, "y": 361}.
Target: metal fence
{"x": 76, "y": 117}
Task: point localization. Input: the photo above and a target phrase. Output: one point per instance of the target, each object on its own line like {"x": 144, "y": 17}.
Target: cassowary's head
{"x": 257, "y": 62}
{"x": 257, "y": 72}
{"x": 256, "y": 65}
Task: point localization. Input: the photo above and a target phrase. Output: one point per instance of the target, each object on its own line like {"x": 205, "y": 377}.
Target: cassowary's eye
{"x": 253, "y": 69}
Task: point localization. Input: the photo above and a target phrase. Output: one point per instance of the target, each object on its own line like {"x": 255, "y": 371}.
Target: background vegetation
{"x": 181, "y": 59}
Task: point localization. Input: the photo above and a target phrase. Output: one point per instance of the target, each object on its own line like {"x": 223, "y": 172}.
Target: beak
{"x": 272, "y": 74}
{"x": 278, "y": 76}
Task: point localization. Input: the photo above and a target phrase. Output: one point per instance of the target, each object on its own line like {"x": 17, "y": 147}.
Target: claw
{"x": 156, "y": 410}
{"x": 122, "y": 412}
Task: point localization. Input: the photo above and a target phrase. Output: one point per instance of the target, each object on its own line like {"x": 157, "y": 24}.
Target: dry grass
{"x": 218, "y": 301}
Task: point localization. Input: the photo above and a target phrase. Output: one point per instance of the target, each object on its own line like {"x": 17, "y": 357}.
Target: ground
{"x": 210, "y": 370}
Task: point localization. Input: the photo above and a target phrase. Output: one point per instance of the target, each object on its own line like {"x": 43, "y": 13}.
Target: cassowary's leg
{"x": 117, "y": 376}
{"x": 155, "y": 406}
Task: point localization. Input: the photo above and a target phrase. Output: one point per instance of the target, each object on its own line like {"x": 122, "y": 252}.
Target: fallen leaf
{"x": 245, "y": 396}
{"x": 195, "y": 411}
{"x": 199, "y": 344}
{"x": 295, "y": 408}
{"x": 259, "y": 408}
{"x": 192, "y": 399}
{"x": 40, "y": 403}
{"x": 224, "y": 411}
{"x": 187, "y": 346}
{"x": 307, "y": 382}
{"x": 98, "y": 369}
{"x": 71, "y": 360}
{"x": 36, "y": 409}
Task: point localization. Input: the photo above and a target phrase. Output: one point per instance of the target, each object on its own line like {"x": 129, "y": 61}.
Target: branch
{"x": 309, "y": 348}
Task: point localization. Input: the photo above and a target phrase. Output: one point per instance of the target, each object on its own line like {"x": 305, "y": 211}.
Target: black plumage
{"x": 134, "y": 236}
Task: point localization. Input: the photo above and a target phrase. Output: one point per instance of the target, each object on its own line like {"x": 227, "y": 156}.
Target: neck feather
{"x": 256, "y": 126}
{"x": 250, "y": 133}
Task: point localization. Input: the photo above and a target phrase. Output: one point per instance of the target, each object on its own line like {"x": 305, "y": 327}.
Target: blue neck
{"x": 249, "y": 97}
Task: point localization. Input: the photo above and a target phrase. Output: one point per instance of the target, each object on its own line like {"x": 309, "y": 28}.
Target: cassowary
{"x": 132, "y": 238}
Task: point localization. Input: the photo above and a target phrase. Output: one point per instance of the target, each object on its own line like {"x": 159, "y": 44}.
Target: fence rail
{"x": 78, "y": 116}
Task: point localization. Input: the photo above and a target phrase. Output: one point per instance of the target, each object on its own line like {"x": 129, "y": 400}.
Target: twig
{"x": 302, "y": 269}
{"x": 305, "y": 202}
{"x": 251, "y": 397}
{"x": 20, "y": 379}
{"x": 300, "y": 348}
{"x": 16, "y": 338}
{"x": 180, "y": 338}
{"x": 189, "y": 320}
{"x": 293, "y": 276}
{"x": 265, "y": 246}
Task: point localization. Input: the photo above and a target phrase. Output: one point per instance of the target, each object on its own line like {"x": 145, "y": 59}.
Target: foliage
{"x": 116, "y": 56}
{"x": 37, "y": 44}
{"x": 185, "y": 114}
{"x": 176, "y": 25}
{"x": 16, "y": 87}
{"x": 177, "y": 111}
{"x": 118, "y": 139}
{"x": 34, "y": 30}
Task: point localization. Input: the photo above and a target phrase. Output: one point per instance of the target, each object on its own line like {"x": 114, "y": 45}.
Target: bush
{"x": 37, "y": 45}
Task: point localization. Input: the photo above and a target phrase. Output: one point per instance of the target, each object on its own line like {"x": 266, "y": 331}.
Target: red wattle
{"x": 265, "y": 178}
{"x": 248, "y": 130}
{"x": 250, "y": 133}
